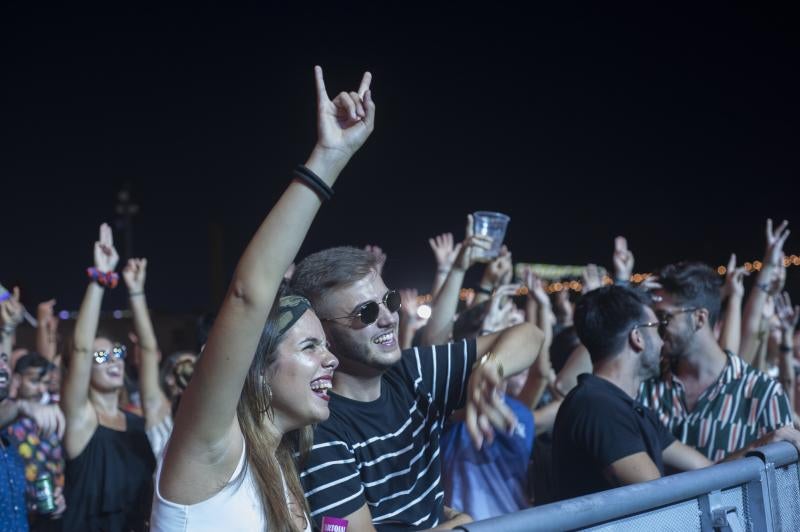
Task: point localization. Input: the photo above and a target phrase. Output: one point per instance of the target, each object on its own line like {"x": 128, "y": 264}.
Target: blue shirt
{"x": 13, "y": 512}
{"x": 494, "y": 480}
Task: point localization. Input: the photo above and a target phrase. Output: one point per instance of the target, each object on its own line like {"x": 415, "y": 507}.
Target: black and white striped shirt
{"x": 385, "y": 453}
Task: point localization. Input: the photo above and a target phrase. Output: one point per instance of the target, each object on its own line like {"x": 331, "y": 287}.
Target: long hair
{"x": 251, "y": 411}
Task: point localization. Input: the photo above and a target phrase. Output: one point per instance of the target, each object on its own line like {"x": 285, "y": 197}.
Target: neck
{"x": 357, "y": 387}
{"x": 702, "y": 360}
{"x": 105, "y": 402}
{"x": 621, "y": 375}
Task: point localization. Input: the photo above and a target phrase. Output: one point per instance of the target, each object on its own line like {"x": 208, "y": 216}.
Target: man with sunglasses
{"x": 602, "y": 437}
{"x": 710, "y": 399}
{"x": 375, "y": 462}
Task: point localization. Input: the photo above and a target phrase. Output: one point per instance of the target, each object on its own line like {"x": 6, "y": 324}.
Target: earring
{"x": 266, "y": 398}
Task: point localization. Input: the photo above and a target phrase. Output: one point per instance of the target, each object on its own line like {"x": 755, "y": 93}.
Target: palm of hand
{"x": 345, "y": 122}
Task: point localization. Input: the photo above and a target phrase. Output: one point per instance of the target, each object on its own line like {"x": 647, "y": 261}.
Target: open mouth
{"x": 321, "y": 386}
{"x": 3, "y": 378}
{"x": 387, "y": 339}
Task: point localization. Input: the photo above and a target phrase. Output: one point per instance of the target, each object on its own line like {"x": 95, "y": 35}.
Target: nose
{"x": 329, "y": 360}
{"x": 386, "y": 318}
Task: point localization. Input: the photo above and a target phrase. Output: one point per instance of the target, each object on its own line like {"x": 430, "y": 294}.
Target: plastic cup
{"x": 492, "y": 224}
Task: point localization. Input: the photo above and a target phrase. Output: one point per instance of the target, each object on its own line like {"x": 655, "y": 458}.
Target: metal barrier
{"x": 758, "y": 493}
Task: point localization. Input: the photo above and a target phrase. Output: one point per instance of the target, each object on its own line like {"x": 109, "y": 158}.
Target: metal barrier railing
{"x": 758, "y": 493}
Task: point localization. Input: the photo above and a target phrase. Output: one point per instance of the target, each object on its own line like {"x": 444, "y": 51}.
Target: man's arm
{"x": 632, "y": 469}
{"x": 684, "y": 458}
{"x": 513, "y": 350}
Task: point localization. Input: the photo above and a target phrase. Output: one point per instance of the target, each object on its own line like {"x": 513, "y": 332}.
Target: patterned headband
{"x": 290, "y": 308}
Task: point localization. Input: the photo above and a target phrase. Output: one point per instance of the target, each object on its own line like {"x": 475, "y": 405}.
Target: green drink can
{"x": 45, "y": 500}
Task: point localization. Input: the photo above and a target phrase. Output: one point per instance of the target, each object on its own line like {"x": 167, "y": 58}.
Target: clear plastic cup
{"x": 492, "y": 224}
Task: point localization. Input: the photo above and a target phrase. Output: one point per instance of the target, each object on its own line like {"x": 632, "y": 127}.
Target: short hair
{"x": 604, "y": 317}
{"x": 331, "y": 268}
{"x": 693, "y": 284}
{"x": 32, "y": 359}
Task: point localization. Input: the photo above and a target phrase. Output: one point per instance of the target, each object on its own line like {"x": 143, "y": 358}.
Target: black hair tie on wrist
{"x": 314, "y": 182}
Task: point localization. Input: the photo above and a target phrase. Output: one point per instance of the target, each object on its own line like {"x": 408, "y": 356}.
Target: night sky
{"x": 675, "y": 127}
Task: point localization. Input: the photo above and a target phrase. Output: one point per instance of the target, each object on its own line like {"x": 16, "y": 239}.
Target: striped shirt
{"x": 385, "y": 453}
{"x": 743, "y": 405}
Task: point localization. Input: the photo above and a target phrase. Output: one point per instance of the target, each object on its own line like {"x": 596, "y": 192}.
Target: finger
{"x": 322, "y": 94}
{"x": 732, "y": 262}
{"x": 769, "y": 229}
{"x": 369, "y": 105}
{"x": 345, "y": 106}
{"x": 448, "y": 240}
{"x": 360, "y": 111}
{"x": 471, "y": 420}
{"x": 15, "y": 294}
{"x": 364, "y": 86}
{"x": 469, "y": 232}
{"x": 620, "y": 244}
{"x": 781, "y": 227}
{"x": 486, "y": 428}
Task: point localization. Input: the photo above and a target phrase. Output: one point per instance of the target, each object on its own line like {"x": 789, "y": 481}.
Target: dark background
{"x": 677, "y": 127}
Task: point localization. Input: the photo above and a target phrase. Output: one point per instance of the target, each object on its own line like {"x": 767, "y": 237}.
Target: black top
{"x": 109, "y": 486}
{"x": 598, "y": 424}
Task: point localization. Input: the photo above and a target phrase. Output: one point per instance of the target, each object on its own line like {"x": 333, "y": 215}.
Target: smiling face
{"x": 301, "y": 375}
{"x": 365, "y": 347}
{"x": 679, "y": 331}
{"x": 110, "y": 375}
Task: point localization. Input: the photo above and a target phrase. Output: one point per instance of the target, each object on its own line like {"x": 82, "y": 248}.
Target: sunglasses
{"x": 368, "y": 312}
{"x": 118, "y": 352}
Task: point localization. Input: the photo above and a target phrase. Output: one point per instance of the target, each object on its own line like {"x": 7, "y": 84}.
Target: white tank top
{"x": 236, "y": 507}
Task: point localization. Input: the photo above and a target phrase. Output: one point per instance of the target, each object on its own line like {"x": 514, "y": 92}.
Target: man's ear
{"x": 636, "y": 340}
{"x": 701, "y": 318}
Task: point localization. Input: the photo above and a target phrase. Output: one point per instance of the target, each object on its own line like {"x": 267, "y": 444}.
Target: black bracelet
{"x": 482, "y": 290}
{"x": 314, "y": 182}
{"x": 783, "y": 348}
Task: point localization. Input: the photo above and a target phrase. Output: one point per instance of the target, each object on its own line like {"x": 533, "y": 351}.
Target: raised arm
{"x": 504, "y": 353}
{"x": 75, "y": 395}
{"x": 445, "y": 253}
{"x": 11, "y": 315}
{"x": 155, "y": 404}
{"x": 764, "y": 286}
{"x": 205, "y": 427}
{"x": 47, "y": 330}
{"x": 539, "y": 313}
{"x": 730, "y": 337}
{"x": 440, "y": 326}
{"x": 789, "y": 316}
{"x": 623, "y": 261}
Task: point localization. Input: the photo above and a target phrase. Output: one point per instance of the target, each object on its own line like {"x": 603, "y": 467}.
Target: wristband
{"x": 482, "y": 290}
{"x": 106, "y": 280}
{"x": 314, "y": 182}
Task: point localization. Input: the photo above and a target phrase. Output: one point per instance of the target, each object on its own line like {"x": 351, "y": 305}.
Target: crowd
{"x": 319, "y": 394}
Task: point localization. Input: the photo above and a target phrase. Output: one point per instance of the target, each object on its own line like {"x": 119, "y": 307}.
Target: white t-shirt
{"x": 236, "y": 507}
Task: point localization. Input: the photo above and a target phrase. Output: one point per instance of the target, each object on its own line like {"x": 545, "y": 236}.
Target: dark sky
{"x": 677, "y": 127}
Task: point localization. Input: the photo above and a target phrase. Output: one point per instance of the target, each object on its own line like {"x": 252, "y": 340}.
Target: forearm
{"x": 515, "y": 348}
{"x": 786, "y": 365}
{"x": 76, "y": 383}
{"x": 439, "y": 328}
{"x": 9, "y": 411}
{"x": 153, "y": 398}
{"x": 46, "y": 341}
{"x": 753, "y": 310}
{"x": 731, "y": 336}
{"x": 438, "y": 281}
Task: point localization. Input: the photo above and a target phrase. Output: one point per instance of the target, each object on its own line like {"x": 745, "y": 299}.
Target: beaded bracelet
{"x": 106, "y": 280}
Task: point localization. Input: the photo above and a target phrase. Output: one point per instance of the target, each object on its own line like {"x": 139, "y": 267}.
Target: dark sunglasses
{"x": 368, "y": 312}
{"x": 118, "y": 352}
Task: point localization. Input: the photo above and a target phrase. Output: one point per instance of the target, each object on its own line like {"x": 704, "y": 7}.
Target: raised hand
{"x": 486, "y": 410}
{"x": 775, "y": 241}
{"x": 592, "y": 278}
{"x": 409, "y": 305}
{"x": 468, "y": 253}
{"x": 499, "y": 270}
{"x": 536, "y": 289}
{"x": 105, "y": 255}
{"x": 499, "y": 307}
{"x": 444, "y": 251}
{"x": 379, "y": 255}
{"x": 734, "y": 279}
{"x": 46, "y": 316}
{"x": 623, "y": 260}
{"x": 787, "y": 314}
{"x": 11, "y": 311}
{"x": 344, "y": 123}
{"x": 134, "y": 273}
